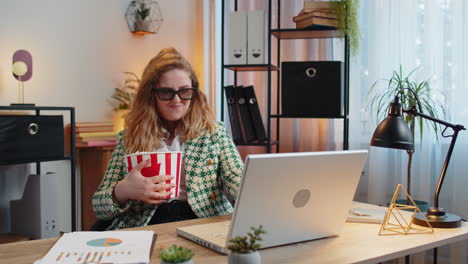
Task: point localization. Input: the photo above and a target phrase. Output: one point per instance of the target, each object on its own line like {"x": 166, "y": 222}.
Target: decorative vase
{"x": 250, "y": 258}
{"x": 185, "y": 262}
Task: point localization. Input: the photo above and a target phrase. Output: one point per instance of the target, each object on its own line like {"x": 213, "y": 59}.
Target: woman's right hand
{"x": 135, "y": 186}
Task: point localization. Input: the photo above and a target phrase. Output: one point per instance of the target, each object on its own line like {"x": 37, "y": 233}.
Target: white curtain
{"x": 428, "y": 36}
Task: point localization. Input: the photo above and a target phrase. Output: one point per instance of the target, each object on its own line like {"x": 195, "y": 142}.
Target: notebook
{"x": 295, "y": 196}
{"x": 361, "y": 214}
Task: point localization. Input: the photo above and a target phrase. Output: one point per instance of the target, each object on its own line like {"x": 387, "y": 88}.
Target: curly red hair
{"x": 143, "y": 129}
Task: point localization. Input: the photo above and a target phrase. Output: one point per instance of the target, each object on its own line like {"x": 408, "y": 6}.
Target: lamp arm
{"x": 456, "y": 129}
{"x": 414, "y": 112}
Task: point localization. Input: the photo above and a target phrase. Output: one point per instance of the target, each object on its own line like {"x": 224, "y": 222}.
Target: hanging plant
{"x": 347, "y": 15}
{"x": 143, "y": 12}
{"x": 144, "y": 17}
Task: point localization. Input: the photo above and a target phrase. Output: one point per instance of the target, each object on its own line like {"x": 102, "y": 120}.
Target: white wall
{"x": 80, "y": 49}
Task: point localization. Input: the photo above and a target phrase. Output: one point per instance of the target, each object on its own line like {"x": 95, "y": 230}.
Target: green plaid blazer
{"x": 210, "y": 161}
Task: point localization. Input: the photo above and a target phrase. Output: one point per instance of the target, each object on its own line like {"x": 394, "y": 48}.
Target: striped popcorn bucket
{"x": 162, "y": 163}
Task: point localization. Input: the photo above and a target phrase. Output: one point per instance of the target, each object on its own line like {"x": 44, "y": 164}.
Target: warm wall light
{"x": 144, "y": 17}
{"x": 394, "y": 133}
{"x": 22, "y": 69}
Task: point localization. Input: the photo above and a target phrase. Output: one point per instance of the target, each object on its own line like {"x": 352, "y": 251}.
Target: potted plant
{"x": 142, "y": 14}
{"x": 347, "y": 15}
{"x": 244, "y": 249}
{"x": 176, "y": 254}
{"x": 122, "y": 98}
{"x": 430, "y": 105}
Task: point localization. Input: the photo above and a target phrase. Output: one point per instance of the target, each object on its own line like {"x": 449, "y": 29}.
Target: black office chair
{"x": 101, "y": 225}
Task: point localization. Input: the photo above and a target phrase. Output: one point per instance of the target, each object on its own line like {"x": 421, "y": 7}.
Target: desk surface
{"x": 358, "y": 243}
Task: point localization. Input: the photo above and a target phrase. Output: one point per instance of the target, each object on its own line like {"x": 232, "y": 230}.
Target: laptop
{"x": 295, "y": 196}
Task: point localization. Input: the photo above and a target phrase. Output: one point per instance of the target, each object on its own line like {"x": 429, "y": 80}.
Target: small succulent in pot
{"x": 176, "y": 254}
{"x": 244, "y": 248}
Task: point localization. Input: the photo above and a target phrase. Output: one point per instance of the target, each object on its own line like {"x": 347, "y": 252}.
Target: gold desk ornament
{"x": 404, "y": 224}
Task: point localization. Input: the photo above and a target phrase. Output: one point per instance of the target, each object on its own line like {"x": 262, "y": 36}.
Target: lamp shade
{"x": 393, "y": 132}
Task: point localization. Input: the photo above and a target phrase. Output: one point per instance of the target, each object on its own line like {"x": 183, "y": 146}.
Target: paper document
{"x": 365, "y": 215}
{"x": 101, "y": 247}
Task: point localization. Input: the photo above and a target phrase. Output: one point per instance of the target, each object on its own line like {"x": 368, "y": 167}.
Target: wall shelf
{"x": 251, "y": 67}
{"x": 307, "y": 33}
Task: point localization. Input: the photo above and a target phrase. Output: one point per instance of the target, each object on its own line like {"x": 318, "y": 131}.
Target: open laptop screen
{"x": 297, "y": 196}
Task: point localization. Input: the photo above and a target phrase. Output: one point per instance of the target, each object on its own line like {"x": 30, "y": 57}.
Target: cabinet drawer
{"x": 312, "y": 89}
{"x": 30, "y": 137}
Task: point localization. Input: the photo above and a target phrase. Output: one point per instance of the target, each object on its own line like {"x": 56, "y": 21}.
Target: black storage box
{"x": 312, "y": 89}
{"x": 27, "y": 138}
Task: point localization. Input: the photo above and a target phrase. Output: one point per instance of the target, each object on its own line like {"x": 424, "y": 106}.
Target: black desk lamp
{"x": 393, "y": 132}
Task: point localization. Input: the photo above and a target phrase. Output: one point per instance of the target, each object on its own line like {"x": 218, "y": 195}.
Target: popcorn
{"x": 162, "y": 163}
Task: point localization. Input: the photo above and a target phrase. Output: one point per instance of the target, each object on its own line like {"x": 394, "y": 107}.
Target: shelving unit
{"x": 38, "y": 161}
{"x": 315, "y": 32}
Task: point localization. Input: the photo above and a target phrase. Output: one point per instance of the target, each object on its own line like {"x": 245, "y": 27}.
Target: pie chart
{"x": 104, "y": 242}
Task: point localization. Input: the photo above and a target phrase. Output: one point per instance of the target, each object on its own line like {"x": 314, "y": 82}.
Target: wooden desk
{"x": 358, "y": 243}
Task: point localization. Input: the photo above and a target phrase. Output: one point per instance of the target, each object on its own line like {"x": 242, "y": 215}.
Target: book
{"x": 329, "y": 12}
{"x": 96, "y": 138}
{"x": 93, "y": 124}
{"x": 255, "y": 114}
{"x": 102, "y": 247}
{"x": 322, "y": 14}
{"x": 317, "y": 5}
{"x": 317, "y": 21}
{"x": 93, "y": 127}
{"x": 95, "y": 144}
{"x": 97, "y": 134}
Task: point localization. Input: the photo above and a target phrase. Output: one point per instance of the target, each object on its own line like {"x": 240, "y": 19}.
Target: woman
{"x": 169, "y": 113}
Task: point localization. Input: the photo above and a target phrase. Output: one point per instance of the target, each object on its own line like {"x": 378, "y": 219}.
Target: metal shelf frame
{"x": 313, "y": 32}
{"x": 71, "y": 158}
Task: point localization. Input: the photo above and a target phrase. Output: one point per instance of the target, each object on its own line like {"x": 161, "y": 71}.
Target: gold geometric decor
{"x": 397, "y": 221}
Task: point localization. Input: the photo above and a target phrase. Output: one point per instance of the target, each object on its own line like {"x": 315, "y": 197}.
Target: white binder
{"x": 237, "y": 38}
{"x": 256, "y": 34}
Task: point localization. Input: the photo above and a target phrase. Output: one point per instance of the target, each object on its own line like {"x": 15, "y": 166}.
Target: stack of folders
{"x": 244, "y": 115}
{"x": 102, "y": 247}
